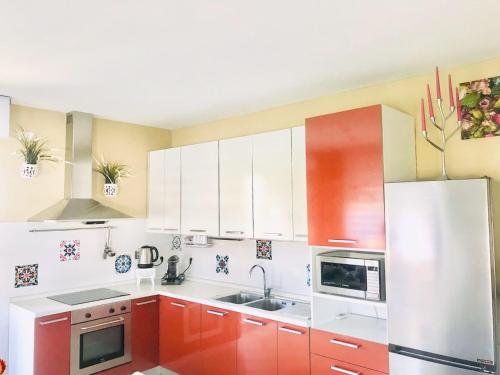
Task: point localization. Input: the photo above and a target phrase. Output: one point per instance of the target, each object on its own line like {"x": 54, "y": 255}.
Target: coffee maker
{"x": 172, "y": 277}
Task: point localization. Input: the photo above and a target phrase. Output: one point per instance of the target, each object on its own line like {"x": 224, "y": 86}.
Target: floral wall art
{"x": 480, "y": 102}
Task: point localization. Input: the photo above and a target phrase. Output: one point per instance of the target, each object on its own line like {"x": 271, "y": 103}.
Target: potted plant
{"x": 33, "y": 150}
{"x": 112, "y": 171}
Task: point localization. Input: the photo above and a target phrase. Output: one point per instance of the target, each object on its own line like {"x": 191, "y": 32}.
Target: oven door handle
{"x": 119, "y": 320}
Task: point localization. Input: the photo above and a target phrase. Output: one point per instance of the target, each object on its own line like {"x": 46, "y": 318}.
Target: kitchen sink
{"x": 271, "y": 304}
{"x": 240, "y": 298}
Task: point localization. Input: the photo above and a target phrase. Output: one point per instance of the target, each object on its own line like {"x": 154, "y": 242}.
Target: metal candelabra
{"x": 440, "y": 124}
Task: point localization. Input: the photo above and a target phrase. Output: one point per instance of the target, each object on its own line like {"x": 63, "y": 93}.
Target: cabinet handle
{"x": 234, "y": 232}
{"x": 145, "y": 302}
{"x": 218, "y": 313}
{"x": 177, "y": 304}
{"x": 342, "y": 241}
{"x": 172, "y": 229}
{"x": 274, "y": 234}
{"x": 154, "y": 228}
{"x": 294, "y": 331}
{"x": 344, "y": 371}
{"x": 198, "y": 230}
{"x": 301, "y": 235}
{"x": 102, "y": 324}
{"x": 254, "y": 322}
{"x": 343, "y": 343}
{"x": 53, "y": 321}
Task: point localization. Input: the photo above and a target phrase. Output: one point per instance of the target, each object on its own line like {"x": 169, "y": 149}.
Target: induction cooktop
{"x": 85, "y": 296}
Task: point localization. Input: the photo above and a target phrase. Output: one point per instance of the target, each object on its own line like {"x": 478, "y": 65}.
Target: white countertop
{"x": 360, "y": 326}
{"x": 194, "y": 291}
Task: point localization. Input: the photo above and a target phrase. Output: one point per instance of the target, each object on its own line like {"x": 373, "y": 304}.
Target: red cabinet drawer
{"x": 327, "y": 366}
{"x": 352, "y": 350}
{"x": 293, "y": 350}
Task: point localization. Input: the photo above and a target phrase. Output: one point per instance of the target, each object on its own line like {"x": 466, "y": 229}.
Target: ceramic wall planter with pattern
{"x": 29, "y": 170}
{"x": 110, "y": 190}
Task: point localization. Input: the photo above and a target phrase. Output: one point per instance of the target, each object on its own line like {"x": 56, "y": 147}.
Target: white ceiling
{"x": 177, "y": 63}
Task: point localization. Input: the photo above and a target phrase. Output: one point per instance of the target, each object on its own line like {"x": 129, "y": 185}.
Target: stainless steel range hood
{"x": 78, "y": 203}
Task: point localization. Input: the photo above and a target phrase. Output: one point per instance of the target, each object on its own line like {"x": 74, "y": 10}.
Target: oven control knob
{"x": 111, "y": 310}
{"x": 123, "y": 308}
{"x": 88, "y": 315}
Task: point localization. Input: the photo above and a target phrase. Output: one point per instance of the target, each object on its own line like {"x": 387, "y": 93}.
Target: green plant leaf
{"x": 471, "y": 100}
{"x": 495, "y": 90}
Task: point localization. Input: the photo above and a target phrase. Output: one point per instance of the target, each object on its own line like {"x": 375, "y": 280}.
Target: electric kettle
{"x": 147, "y": 255}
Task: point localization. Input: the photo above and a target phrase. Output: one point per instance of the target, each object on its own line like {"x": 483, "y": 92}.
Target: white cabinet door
{"x": 235, "y": 184}
{"x": 299, "y": 183}
{"x": 200, "y": 189}
{"x": 156, "y": 178}
{"x": 272, "y": 185}
{"x": 172, "y": 191}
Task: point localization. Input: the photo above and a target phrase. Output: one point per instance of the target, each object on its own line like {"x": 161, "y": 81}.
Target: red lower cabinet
{"x": 293, "y": 350}
{"x": 367, "y": 354}
{"x": 180, "y": 331}
{"x": 219, "y": 332}
{"x": 257, "y": 346}
{"x": 52, "y": 344}
{"x": 327, "y": 366}
{"x": 145, "y": 325}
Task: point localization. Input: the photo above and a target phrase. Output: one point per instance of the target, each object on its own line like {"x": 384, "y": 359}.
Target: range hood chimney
{"x": 78, "y": 203}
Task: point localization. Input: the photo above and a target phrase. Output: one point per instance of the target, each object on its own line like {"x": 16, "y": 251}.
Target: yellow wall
{"x": 466, "y": 158}
{"x": 20, "y": 198}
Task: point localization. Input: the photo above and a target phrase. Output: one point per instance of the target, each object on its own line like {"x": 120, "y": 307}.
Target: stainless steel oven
{"x": 100, "y": 338}
{"x": 351, "y": 274}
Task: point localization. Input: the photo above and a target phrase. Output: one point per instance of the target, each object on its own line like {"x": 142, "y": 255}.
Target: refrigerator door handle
{"x": 436, "y": 358}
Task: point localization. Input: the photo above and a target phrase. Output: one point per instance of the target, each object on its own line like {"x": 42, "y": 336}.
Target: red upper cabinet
{"x": 52, "y": 344}
{"x": 293, "y": 350}
{"x": 219, "y": 332}
{"x": 145, "y": 333}
{"x": 180, "y": 323}
{"x": 257, "y": 346}
{"x": 349, "y": 156}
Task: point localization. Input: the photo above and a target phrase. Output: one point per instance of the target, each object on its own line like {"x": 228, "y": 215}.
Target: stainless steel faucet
{"x": 267, "y": 291}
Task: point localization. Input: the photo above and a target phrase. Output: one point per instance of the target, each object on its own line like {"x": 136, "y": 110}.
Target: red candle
{"x": 459, "y": 107}
{"x": 450, "y": 91}
{"x": 422, "y": 115}
{"x": 429, "y": 101}
{"x": 438, "y": 84}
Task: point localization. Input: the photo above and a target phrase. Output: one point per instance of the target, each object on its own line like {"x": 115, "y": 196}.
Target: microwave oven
{"x": 351, "y": 274}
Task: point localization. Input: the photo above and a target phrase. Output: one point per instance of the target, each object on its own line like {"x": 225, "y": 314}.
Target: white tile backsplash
{"x": 286, "y": 271}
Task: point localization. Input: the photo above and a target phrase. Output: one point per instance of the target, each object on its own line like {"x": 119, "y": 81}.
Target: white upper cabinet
{"x": 272, "y": 185}
{"x": 200, "y": 189}
{"x": 156, "y": 179}
{"x": 235, "y": 184}
{"x": 299, "y": 183}
{"x": 172, "y": 191}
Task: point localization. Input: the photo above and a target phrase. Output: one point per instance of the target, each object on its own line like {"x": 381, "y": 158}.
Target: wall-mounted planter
{"x": 29, "y": 170}
{"x": 110, "y": 190}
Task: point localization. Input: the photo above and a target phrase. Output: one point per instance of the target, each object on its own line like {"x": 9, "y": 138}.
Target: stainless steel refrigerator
{"x": 441, "y": 291}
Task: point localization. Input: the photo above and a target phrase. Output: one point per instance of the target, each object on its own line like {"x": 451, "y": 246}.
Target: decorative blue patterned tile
{"x": 69, "y": 250}
{"x": 26, "y": 275}
{"x": 264, "y": 249}
{"x": 123, "y": 263}
{"x": 222, "y": 264}
{"x": 176, "y": 242}
{"x": 308, "y": 274}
